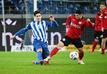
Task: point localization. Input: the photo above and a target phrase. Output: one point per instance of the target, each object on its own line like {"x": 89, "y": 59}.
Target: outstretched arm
{"x": 90, "y": 24}
{"x": 21, "y": 31}
{"x": 52, "y": 22}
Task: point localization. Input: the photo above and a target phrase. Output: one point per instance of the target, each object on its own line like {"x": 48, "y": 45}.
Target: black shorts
{"x": 104, "y": 33}
{"x": 77, "y": 42}
{"x": 97, "y": 34}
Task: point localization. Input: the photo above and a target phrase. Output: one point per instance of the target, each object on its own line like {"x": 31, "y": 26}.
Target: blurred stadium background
{"x": 15, "y": 14}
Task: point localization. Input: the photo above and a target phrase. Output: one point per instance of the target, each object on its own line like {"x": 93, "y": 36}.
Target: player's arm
{"x": 52, "y": 22}
{"x": 21, "y": 31}
{"x": 90, "y": 24}
{"x": 68, "y": 21}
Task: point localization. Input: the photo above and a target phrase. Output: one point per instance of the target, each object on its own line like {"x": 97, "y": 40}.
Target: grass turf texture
{"x": 21, "y": 63}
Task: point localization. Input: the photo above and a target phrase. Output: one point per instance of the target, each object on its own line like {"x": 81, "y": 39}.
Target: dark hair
{"x": 36, "y": 12}
{"x": 78, "y": 12}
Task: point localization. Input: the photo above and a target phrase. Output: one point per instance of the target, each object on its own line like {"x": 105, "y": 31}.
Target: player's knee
{"x": 60, "y": 45}
{"x": 40, "y": 50}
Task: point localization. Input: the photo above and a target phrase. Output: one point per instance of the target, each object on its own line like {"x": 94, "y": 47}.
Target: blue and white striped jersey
{"x": 38, "y": 29}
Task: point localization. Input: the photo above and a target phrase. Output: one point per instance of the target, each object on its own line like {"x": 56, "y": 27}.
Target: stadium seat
{"x": 86, "y": 9}
{"x": 71, "y": 8}
{"x": 55, "y": 6}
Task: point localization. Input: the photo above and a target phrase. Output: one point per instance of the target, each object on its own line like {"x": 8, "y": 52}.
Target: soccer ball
{"x": 73, "y": 55}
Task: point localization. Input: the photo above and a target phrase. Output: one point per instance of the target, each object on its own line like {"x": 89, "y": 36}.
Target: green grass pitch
{"x": 21, "y": 63}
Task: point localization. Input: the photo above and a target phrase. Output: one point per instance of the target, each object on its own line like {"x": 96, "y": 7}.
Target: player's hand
{"x": 51, "y": 18}
{"x": 12, "y": 37}
{"x": 67, "y": 26}
{"x": 88, "y": 20}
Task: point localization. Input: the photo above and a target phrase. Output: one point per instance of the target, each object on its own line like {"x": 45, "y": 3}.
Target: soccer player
{"x": 75, "y": 24}
{"x": 98, "y": 31}
{"x": 104, "y": 25}
{"x": 39, "y": 28}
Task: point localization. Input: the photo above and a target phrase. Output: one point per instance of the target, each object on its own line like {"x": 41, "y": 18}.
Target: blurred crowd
{"x": 50, "y": 6}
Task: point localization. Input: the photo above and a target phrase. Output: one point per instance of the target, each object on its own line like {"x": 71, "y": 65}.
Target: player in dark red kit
{"x": 75, "y": 24}
{"x": 104, "y": 25}
{"x": 98, "y": 31}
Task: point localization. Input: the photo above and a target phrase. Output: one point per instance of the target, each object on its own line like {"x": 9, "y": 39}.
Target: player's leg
{"x": 103, "y": 45}
{"x": 64, "y": 42}
{"x": 106, "y": 45}
{"x": 55, "y": 50}
{"x": 100, "y": 40}
{"x": 81, "y": 55}
{"x": 45, "y": 50}
{"x": 39, "y": 50}
{"x": 79, "y": 46}
{"x": 94, "y": 44}
{"x": 39, "y": 55}
{"x": 104, "y": 40}
{"x": 96, "y": 36}
{"x": 43, "y": 54}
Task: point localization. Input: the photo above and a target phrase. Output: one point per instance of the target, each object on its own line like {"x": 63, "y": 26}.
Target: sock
{"x": 36, "y": 62}
{"x": 39, "y": 55}
{"x": 54, "y": 51}
{"x": 103, "y": 51}
{"x": 94, "y": 45}
{"x": 81, "y": 55}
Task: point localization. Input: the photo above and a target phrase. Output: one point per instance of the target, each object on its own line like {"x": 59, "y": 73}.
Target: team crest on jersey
{"x": 80, "y": 22}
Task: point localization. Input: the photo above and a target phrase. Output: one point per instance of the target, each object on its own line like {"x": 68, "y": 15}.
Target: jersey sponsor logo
{"x": 75, "y": 25}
